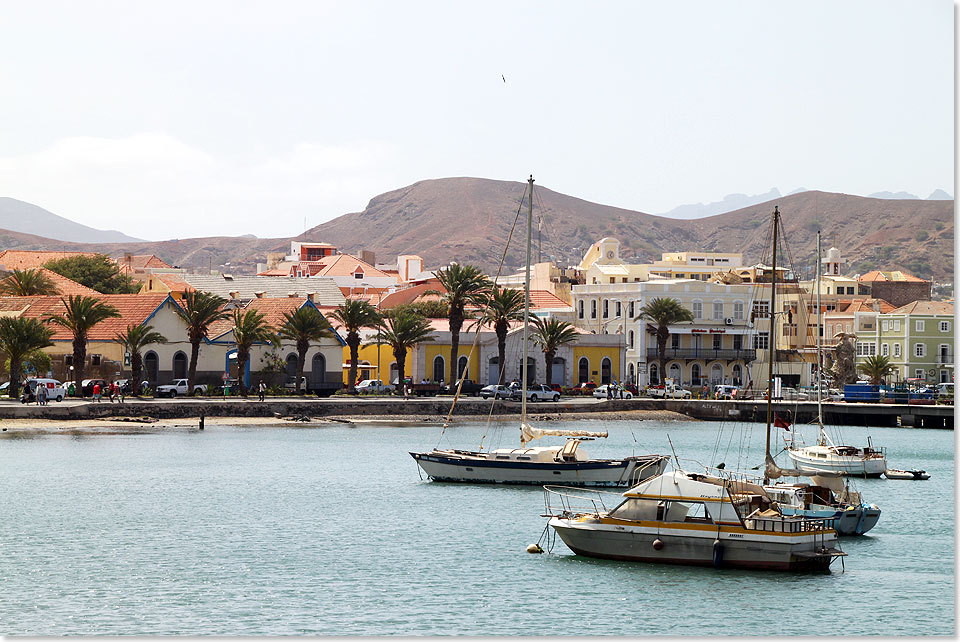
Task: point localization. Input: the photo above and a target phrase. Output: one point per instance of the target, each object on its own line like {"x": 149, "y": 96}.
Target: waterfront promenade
{"x": 939, "y": 416}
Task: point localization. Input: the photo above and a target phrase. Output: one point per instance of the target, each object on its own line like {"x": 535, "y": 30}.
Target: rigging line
{"x": 476, "y": 339}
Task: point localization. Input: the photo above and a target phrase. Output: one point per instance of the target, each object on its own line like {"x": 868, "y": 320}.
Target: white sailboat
{"x": 825, "y": 455}
{"x": 565, "y": 464}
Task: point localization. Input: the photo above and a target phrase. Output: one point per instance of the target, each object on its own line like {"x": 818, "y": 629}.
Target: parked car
{"x": 469, "y": 387}
{"x": 945, "y": 391}
{"x": 536, "y": 392}
{"x": 725, "y": 392}
{"x": 601, "y": 392}
{"x": 179, "y": 387}
{"x": 789, "y": 394}
{"x": 375, "y": 386}
{"x": 584, "y": 388}
{"x": 55, "y": 390}
{"x": 495, "y": 391}
{"x": 87, "y": 385}
{"x": 669, "y": 391}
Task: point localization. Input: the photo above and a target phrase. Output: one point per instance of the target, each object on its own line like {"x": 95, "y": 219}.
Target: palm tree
{"x": 664, "y": 311}
{"x": 199, "y": 310}
{"x": 355, "y": 315}
{"x": 550, "y": 334}
{"x": 502, "y": 306}
{"x": 402, "y": 332}
{"x": 877, "y": 368}
{"x": 81, "y": 315}
{"x": 249, "y": 327}
{"x": 19, "y": 337}
{"x": 28, "y": 283}
{"x": 464, "y": 284}
{"x": 304, "y": 326}
{"x": 134, "y": 339}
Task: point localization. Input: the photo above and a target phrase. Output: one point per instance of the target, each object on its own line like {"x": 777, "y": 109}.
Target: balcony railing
{"x": 704, "y": 353}
{"x": 944, "y": 359}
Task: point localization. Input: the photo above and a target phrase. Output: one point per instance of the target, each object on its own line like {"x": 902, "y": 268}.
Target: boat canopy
{"x": 528, "y": 433}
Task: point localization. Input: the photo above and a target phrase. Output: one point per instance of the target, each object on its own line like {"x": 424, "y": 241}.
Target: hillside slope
{"x": 20, "y": 216}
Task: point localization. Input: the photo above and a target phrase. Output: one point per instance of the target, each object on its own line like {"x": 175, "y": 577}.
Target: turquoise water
{"x": 330, "y": 530}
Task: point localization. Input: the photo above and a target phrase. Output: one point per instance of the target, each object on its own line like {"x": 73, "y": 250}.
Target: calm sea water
{"x": 330, "y": 530}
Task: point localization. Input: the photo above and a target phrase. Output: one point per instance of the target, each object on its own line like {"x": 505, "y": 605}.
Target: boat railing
{"x": 568, "y": 500}
{"x": 787, "y": 524}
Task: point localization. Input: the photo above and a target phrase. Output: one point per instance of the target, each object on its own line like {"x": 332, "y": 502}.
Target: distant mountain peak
{"x": 20, "y": 216}
{"x": 729, "y": 203}
{"x": 939, "y": 195}
{"x": 894, "y": 195}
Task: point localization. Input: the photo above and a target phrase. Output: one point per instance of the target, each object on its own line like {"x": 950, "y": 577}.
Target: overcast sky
{"x": 175, "y": 119}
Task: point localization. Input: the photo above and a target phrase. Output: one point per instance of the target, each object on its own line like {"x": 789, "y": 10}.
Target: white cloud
{"x": 154, "y": 186}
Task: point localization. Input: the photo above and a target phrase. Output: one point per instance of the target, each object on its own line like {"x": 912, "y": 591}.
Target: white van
{"x": 55, "y": 389}
{"x": 945, "y": 390}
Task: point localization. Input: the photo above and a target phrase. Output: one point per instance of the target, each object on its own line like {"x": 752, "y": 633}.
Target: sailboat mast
{"x": 772, "y": 341}
{"x": 526, "y": 304}
{"x": 819, "y": 344}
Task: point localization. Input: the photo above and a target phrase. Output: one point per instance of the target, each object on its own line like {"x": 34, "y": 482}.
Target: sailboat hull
{"x": 853, "y": 466}
{"x": 461, "y": 466}
{"x": 662, "y": 544}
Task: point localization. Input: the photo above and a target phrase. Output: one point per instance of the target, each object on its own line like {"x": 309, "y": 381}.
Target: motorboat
{"x": 688, "y": 518}
{"x": 896, "y": 473}
{"x": 826, "y": 498}
{"x": 566, "y": 464}
{"x": 847, "y": 460}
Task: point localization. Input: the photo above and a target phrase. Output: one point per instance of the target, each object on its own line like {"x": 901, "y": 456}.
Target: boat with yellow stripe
{"x": 689, "y": 518}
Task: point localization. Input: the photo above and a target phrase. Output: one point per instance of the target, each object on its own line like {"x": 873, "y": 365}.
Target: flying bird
{"x": 504, "y": 77}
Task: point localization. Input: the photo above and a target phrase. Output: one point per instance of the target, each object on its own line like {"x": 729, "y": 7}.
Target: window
{"x": 761, "y": 341}
{"x": 850, "y": 290}
{"x": 680, "y": 276}
{"x": 630, "y": 339}
{"x": 918, "y": 373}
{"x": 606, "y": 308}
{"x": 616, "y": 310}
{"x": 885, "y": 326}
{"x": 919, "y": 350}
{"x": 896, "y": 349}
{"x": 593, "y": 309}
{"x": 944, "y": 376}
{"x": 675, "y": 341}
{"x": 944, "y": 326}
{"x": 761, "y": 308}
{"x": 580, "y": 309}
{"x": 717, "y": 341}
{"x": 583, "y": 370}
{"x": 919, "y": 325}
{"x": 632, "y": 312}
{"x": 738, "y": 342}
{"x": 738, "y": 310}
{"x": 698, "y": 309}
{"x": 95, "y": 359}
{"x": 718, "y": 309}
{"x": 884, "y": 349}
{"x": 896, "y": 325}
{"x": 866, "y": 349}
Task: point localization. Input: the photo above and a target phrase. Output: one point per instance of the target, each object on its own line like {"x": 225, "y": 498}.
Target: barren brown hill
{"x": 469, "y": 219}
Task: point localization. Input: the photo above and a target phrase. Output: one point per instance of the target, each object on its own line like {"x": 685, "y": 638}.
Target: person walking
{"x": 119, "y": 393}
{"x": 41, "y": 394}
{"x": 96, "y": 392}
{"x": 261, "y": 389}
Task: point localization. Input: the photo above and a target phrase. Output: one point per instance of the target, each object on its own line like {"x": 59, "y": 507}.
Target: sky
{"x": 180, "y": 119}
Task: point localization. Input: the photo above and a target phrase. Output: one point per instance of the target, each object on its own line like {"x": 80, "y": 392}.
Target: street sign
{"x": 225, "y": 376}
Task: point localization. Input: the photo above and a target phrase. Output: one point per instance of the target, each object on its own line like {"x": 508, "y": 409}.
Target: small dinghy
{"x": 894, "y": 473}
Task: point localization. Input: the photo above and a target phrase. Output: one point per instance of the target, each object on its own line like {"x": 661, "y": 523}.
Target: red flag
{"x": 780, "y": 423}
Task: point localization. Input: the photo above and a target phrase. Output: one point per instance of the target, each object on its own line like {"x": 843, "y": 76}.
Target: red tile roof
{"x": 544, "y": 299}
{"x": 68, "y": 286}
{"x": 133, "y": 308}
{"x": 865, "y": 305}
{"x": 925, "y": 307}
{"x": 24, "y": 259}
{"x": 340, "y": 265}
{"x": 895, "y": 275}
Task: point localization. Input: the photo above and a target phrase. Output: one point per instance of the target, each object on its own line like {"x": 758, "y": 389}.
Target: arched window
{"x": 593, "y": 309}
{"x": 531, "y": 370}
{"x": 583, "y": 370}
{"x": 179, "y": 365}
{"x": 629, "y": 373}
{"x": 394, "y": 373}
{"x": 695, "y": 374}
{"x": 580, "y": 309}
{"x": 716, "y": 374}
{"x": 292, "y": 361}
{"x": 654, "y": 374}
{"x": 438, "y": 368}
{"x": 493, "y": 370}
{"x": 151, "y": 364}
{"x": 673, "y": 372}
{"x": 737, "y": 375}
{"x": 606, "y": 308}
{"x": 461, "y": 367}
{"x": 558, "y": 371}
{"x": 630, "y": 340}
{"x": 617, "y": 309}
{"x": 318, "y": 368}
{"x": 632, "y": 310}
{"x": 606, "y": 370}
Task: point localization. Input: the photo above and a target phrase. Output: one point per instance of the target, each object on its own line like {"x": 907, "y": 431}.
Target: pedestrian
{"x": 119, "y": 393}
{"x": 96, "y": 392}
{"x": 261, "y": 389}
{"x": 71, "y": 390}
{"x": 36, "y": 394}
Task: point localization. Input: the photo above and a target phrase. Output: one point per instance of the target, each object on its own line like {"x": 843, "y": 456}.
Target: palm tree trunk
{"x": 301, "y": 361}
{"x": 662, "y": 351}
{"x": 456, "y": 322}
{"x": 192, "y": 371}
{"x": 353, "y": 340}
{"x": 548, "y": 357}
{"x": 79, "y": 359}
{"x": 136, "y": 365}
{"x": 401, "y": 357}
{"x": 501, "y": 351}
{"x": 242, "y": 357}
{"x": 15, "y": 366}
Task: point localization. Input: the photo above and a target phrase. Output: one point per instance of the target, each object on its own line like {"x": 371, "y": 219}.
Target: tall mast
{"x": 819, "y": 345}
{"x": 772, "y": 341}
{"x": 526, "y": 305}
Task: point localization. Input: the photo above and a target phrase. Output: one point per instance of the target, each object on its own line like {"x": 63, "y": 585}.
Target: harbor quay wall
{"x": 861, "y": 414}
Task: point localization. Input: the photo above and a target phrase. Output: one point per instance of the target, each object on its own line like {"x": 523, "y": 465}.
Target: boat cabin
{"x": 569, "y": 452}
